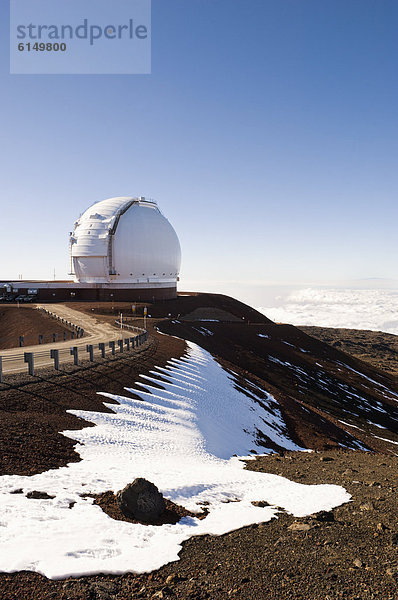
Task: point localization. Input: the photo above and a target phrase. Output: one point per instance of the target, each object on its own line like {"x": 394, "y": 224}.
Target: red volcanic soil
{"x": 29, "y": 322}
{"x": 350, "y": 553}
{"x": 324, "y": 402}
{"x": 33, "y": 409}
{"x": 183, "y": 305}
{"x": 328, "y": 398}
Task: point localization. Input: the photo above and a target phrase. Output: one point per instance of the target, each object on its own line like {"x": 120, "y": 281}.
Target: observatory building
{"x": 121, "y": 249}
{"x": 126, "y": 244}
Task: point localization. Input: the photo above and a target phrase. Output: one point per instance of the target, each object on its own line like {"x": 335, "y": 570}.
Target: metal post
{"x": 127, "y": 342}
{"x": 64, "y": 336}
{"x": 40, "y": 338}
{"x": 21, "y": 339}
{"x": 55, "y": 355}
{"x": 75, "y": 352}
{"x": 73, "y": 335}
{"x": 101, "y": 346}
{"x": 120, "y": 344}
{"x": 55, "y": 335}
{"x": 90, "y": 350}
{"x": 1, "y": 369}
{"x": 28, "y": 358}
{"x": 112, "y": 347}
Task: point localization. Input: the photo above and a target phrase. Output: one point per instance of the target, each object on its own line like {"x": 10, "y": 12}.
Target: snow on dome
{"x": 125, "y": 240}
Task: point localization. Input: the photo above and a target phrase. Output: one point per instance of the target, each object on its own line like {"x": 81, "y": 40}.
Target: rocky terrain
{"x": 375, "y": 347}
{"x": 33, "y": 409}
{"x": 328, "y": 398}
{"x": 350, "y": 553}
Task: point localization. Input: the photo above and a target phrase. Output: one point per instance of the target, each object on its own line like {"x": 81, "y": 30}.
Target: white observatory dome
{"x": 125, "y": 241}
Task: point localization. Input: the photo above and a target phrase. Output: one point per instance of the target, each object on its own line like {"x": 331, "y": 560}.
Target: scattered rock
{"x": 35, "y": 495}
{"x": 103, "y": 590}
{"x": 381, "y": 527}
{"x": 18, "y": 491}
{"x": 142, "y": 591}
{"x": 299, "y": 527}
{"x": 260, "y": 503}
{"x": 325, "y": 516}
{"x": 107, "y": 586}
{"x": 367, "y": 506}
{"x": 358, "y": 563}
{"x": 108, "y": 502}
{"x": 67, "y": 585}
{"x": 163, "y": 593}
{"x": 141, "y": 500}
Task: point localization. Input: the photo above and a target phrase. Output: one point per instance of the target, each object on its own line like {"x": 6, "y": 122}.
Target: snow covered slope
{"x": 181, "y": 434}
{"x": 325, "y": 396}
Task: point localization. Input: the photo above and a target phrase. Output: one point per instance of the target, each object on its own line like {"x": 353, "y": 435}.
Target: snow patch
{"x": 181, "y": 434}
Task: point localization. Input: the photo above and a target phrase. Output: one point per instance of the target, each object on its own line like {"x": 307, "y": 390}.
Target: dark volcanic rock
{"x": 268, "y": 561}
{"x": 141, "y": 500}
{"x": 35, "y": 495}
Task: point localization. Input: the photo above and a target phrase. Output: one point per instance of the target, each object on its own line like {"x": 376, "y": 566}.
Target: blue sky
{"x": 267, "y": 132}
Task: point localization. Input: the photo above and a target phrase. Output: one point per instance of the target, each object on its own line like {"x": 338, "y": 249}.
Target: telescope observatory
{"x": 121, "y": 249}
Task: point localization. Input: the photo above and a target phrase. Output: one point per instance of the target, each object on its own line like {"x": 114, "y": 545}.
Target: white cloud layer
{"x": 353, "y": 309}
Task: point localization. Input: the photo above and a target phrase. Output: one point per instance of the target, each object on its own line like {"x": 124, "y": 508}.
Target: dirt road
{"x": 95, "y": 332}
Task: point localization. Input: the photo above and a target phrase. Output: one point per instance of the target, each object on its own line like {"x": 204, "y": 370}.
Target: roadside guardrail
{"x": 63, "y": 354}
